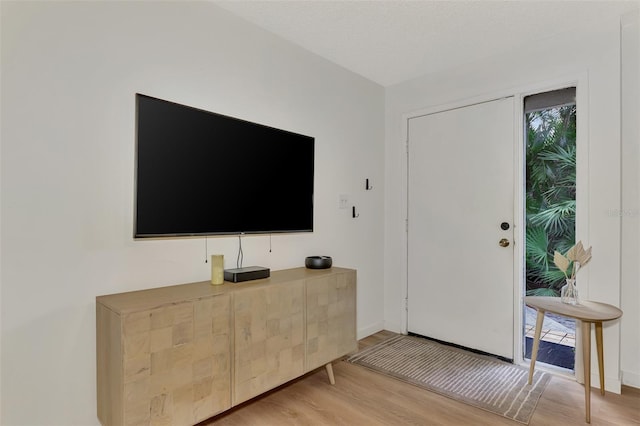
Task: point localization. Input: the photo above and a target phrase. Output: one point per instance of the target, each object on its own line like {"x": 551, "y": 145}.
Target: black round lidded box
{"x": 318, "y": 262}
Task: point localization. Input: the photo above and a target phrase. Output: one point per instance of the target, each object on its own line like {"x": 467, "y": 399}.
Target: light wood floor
{"x": 363, "y": 397}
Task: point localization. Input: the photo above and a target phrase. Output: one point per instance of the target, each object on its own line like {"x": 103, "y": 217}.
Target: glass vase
{"x": 569, "y": 292}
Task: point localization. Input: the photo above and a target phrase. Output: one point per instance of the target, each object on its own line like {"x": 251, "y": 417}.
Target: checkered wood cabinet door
{"x": 269, "y": 337}
{"x": 176, "y": 363}
{"x": 331, "y": 318}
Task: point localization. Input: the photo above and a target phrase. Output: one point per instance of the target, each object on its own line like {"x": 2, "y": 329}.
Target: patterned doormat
{"x": 477, "y": 380}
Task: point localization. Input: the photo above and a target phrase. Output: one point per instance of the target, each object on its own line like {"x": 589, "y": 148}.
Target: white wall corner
{"x": 394, "y": 326}
{"x": 370, "y": 329}
{"x": 629, "y": 378}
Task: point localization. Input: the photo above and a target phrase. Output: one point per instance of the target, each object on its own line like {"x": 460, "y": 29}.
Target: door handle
{"x": 503, "y": 242}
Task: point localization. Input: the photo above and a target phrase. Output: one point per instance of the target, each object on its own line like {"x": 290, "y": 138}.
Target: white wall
{"x": 630, "y": 212}
{"x": 591, "y": 55}
{"x": 69, "y": 74}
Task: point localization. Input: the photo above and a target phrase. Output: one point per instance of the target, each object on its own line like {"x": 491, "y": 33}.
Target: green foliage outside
{"x": 550, "y": 195}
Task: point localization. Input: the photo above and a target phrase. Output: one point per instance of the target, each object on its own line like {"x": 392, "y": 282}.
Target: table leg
{"x": 329, "y": 368}
{"x": 586, "y": 359}
{"x": 536, "y": 343}
{"x": 600, "y": 355}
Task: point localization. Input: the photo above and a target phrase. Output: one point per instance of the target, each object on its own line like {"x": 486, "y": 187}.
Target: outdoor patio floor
{"x": 555, "y": 329}
{"x": 553, "y": 336}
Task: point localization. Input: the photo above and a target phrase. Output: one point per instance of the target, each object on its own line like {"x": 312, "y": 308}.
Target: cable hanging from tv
{"x": 240, "y": 258}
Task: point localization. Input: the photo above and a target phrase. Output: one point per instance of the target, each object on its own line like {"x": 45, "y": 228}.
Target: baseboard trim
{"x": 393, "y": 326}
{"x": 631, "y": 379}
{"x": 369, "y": 330}
{"x": 611, "y": 384}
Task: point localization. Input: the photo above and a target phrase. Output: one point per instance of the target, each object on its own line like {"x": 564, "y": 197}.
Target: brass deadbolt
{"x": 504, "y": 242}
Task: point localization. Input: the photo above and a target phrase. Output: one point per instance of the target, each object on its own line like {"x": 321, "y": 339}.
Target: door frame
{"x": 580, "y": 81}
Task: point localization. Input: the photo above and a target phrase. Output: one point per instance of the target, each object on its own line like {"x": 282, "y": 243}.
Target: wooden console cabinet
{"x": 179, "y": 355}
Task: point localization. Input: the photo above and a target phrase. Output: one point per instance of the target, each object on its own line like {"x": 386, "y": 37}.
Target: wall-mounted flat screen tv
{"x": 202, "y": 173}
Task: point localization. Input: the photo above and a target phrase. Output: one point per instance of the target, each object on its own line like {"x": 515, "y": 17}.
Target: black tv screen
{"x": 202, "y": 173}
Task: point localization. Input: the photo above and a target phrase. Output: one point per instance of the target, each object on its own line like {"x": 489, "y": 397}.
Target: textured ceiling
{"x": 393, "y": 41}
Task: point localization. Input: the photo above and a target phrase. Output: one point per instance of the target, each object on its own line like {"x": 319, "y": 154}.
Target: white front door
{"x": 460, "y": 197}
